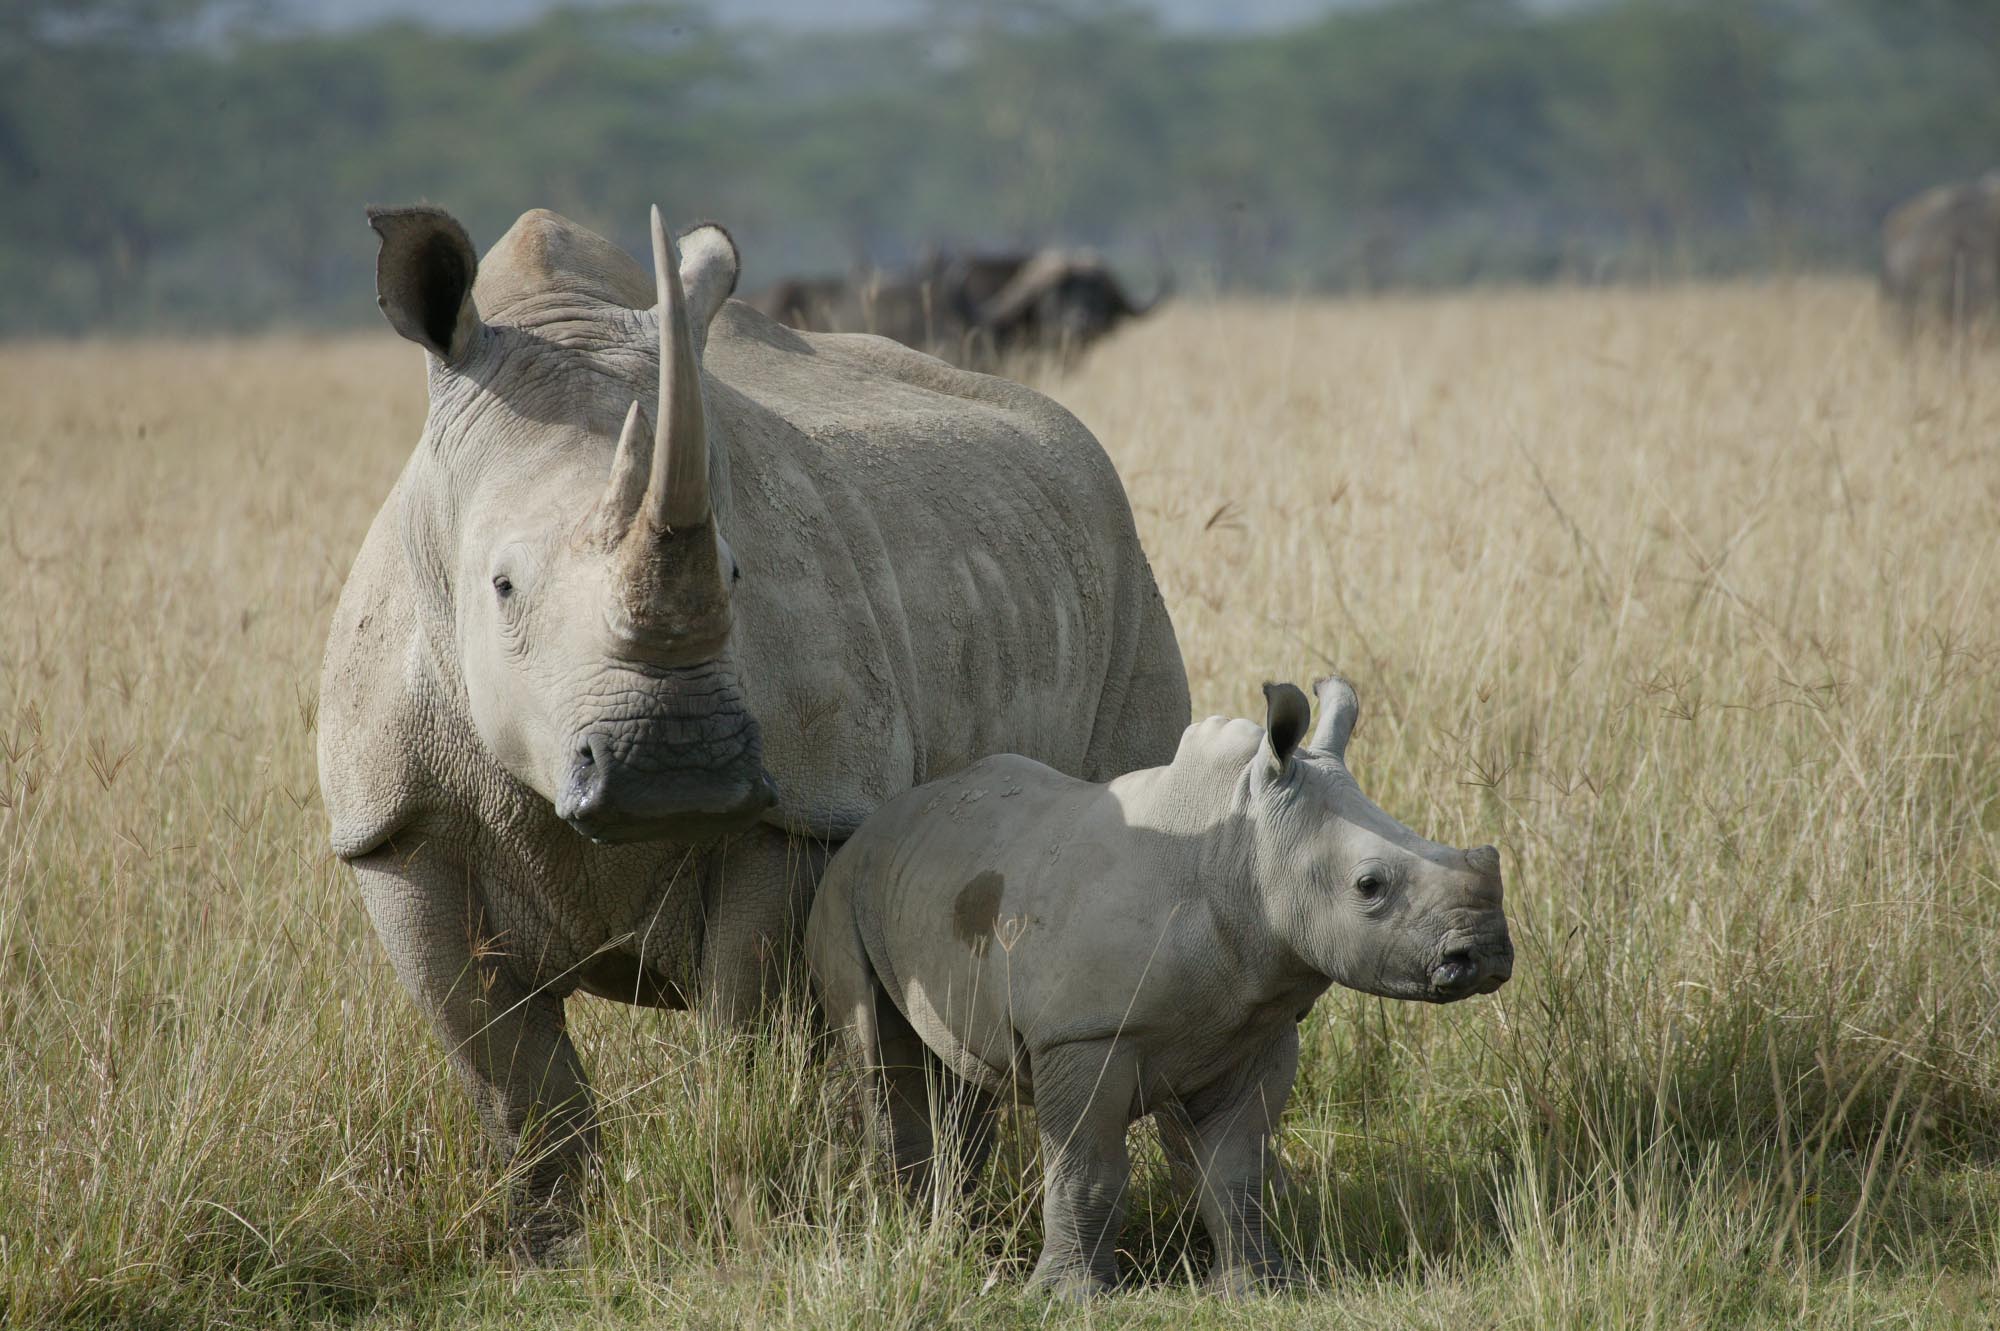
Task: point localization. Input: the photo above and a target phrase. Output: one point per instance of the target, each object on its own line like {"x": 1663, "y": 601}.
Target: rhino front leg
{"x": 507, "y": 1039}
{"x": 759, "y": 893}
{"x": 1083, "y": 1102}
{"x": 1225, "y": 1145}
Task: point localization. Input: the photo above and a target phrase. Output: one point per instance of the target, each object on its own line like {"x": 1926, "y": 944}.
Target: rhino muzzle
{"x": 1479, "y": 968}
{"x": 608, "y": 798}
{"x": 689, "y": 767}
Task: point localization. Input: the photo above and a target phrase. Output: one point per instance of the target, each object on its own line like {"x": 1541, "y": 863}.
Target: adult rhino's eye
{"x": 1369, "y": 886}
{"x": 503, "y": 585}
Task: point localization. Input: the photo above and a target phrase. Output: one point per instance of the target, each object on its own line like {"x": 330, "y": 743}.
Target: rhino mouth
{"x": 686, "y": 766}
{"x": 1464, "y": 972}
{"x": 700, "y": 820}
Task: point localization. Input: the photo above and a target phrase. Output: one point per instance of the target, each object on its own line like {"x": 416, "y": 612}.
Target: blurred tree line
{"x": 186, "y": 163}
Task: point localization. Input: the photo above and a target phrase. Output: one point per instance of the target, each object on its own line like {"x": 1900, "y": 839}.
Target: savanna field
{"x": 1688, "y": 599}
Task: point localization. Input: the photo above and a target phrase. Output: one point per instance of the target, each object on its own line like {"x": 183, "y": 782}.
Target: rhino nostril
{"x": 593, "y": 753}
{"x": 585, "y": 784}
{"x": 1455, "y": 972}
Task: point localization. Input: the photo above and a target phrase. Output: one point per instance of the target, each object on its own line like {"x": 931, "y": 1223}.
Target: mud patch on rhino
{"x": 977, "y": 910}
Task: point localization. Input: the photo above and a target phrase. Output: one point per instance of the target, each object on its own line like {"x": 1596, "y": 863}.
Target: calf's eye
{"x": 503, "y": 585}
{"x": 1369, "y": 886}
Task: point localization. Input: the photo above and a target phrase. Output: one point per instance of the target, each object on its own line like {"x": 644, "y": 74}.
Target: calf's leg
{"x": 1084, "y": 1095}
{"x": 899, "y": 1074}
{"x": 1225, "y": 1143}
{"x": 935, "y": 1127}
{"x": 970, "y": 1120}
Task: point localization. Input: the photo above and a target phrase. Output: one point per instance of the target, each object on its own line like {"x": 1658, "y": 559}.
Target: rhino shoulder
{"x": 372, "y": 703}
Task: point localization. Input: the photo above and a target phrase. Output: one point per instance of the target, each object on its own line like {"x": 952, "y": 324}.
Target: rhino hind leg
{"x": 506, "y": 1039}
{"x": 912, "y": 1105}
{"x": 970, "y": 1118}
{"x": 931, "y": 1127}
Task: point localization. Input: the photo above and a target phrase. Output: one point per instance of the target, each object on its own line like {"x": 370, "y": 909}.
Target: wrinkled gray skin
{"x": 636, "y": 637}
{"x": 1941, "y": 255}
{"x": 1147, "y": 946}
{"x": 976, "y": 310}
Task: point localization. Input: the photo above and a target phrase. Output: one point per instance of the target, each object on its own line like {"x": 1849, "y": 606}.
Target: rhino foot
{"x": 547, "y": 1243}
{"x": 545, "y": 1226}
{"x": 1070, "y": 1286}
{"x": 1243, "y": 1280}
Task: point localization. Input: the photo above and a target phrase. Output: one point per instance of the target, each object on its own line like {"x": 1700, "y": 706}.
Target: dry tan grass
{"x": 1687, "y": 598}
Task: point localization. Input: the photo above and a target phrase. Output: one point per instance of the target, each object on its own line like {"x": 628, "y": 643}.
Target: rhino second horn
{"x": 627, "y": 489}
{"x": 1339, "y": 707}
{"x": 677, "y": 491}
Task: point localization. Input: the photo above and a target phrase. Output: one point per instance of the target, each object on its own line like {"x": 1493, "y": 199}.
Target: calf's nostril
{"x": 1455, "y": 972}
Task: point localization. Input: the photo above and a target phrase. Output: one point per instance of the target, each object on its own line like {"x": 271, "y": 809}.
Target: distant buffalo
{"x": 1941, "y": 255}
{"x": 971, "y": 309}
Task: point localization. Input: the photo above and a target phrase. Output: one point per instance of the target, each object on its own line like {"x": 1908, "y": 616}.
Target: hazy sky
{"x": 1211, "y": 15}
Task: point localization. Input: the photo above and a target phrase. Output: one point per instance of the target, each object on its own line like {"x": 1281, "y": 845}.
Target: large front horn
{"x": 677, "y": 490}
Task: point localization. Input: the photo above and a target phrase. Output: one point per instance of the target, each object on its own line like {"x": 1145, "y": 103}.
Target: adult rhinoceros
{"x": 600, "y": 692}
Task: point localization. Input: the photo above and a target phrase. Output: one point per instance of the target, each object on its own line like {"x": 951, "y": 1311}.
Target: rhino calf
{"x": 1146, "y": 946}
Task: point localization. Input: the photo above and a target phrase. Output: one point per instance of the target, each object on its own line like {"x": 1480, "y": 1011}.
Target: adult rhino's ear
{"x": 710, "y": 266}
{"x": 1339, "y": 707}
{"x": 423, "y": 278}
{"x": 1286, "y": 713}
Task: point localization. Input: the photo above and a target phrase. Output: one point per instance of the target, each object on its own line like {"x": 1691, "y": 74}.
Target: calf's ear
{"x": 1339, "y": 706}
{"x": 423, "y": 278}
{"x": 1286, "y": 713}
